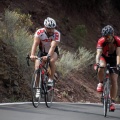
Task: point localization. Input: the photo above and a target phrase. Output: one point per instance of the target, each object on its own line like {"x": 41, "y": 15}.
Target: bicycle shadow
{"x": 81, "y": 108}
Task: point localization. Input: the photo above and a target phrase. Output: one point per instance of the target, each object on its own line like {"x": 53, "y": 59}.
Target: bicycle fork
{"x": 106, "y": 90}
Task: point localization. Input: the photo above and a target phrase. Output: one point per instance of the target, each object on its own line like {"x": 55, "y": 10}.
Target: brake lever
{"x": 27, "y": 58}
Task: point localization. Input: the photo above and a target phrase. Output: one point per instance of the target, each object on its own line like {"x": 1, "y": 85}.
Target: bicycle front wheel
{"x": 105, "y": 106}
{"x": 49, "y": 95}
{"x": 36, "y": 86}
{"x": 106, "y": 93}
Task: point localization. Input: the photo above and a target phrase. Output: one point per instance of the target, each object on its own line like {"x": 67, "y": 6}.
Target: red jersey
{"x": 102, "y": 44}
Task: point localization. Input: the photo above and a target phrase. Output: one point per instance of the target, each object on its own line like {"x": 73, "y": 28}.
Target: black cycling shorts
{"x": 112, "y": 61}
{"x": 40, "y": 53}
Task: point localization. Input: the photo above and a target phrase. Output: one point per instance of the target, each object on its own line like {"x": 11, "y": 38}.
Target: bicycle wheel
{"x": 36, "y": 85}
{"x": 106, "y": 97}
{"x": 49, "y": 95}
{"x": 105, "y": 106}
{"x": 102, "y": 98}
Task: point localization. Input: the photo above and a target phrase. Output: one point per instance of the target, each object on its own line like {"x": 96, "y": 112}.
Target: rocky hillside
{"x": 12, "y": 84}
{"x": 78, "y": 86}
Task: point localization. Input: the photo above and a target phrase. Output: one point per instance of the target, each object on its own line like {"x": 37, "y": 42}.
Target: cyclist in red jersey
{"x": 47, "y": 38}
{"x": 108, "y": 51}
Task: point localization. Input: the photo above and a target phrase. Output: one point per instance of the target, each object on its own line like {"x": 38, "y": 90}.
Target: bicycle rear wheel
{"x": 49, "y": 95}
{"x": 36, "y": 85}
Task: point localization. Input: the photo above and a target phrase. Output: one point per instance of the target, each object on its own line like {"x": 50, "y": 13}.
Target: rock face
{"x": 11, "y": 81}
{"x": 8, "y": 65}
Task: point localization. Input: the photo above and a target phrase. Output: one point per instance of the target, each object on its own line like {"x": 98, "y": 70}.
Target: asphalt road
{"x": 59, "y": 111}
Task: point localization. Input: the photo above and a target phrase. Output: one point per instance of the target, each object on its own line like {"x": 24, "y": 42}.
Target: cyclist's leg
{"x": 114, "y": 86}
{"x": 37, "y": 63}
{"x": 113, "y": 76}
{"x": 52, "y": 65}
{"x": 50, "y": 93}
{"x": 101, "y": 70}
{"x": 101, "y": 74}
{"x": 113, "y": 90}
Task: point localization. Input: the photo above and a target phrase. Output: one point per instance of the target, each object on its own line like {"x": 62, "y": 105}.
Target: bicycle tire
{"x": 106, "y": 96}
{"x": 102, "y": 98}
{"x": 105, "y": 107}
{"x": 36, "y": 101}
{"x": 49, "y": 95}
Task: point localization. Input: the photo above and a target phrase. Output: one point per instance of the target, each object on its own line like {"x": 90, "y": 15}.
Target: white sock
{"x": 50, "y": 80}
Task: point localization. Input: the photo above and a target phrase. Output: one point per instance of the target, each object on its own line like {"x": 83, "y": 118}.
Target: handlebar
{"x": 27, "y": 59}
{"x": 107, "y": 66}
{"x": 39, "y": 58}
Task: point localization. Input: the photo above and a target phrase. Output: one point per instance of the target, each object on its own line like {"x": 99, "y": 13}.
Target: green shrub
{"x": 10, "y": 21}
{"x": 2, "y": 31}
{"x": 79, "y": 33}
{"x": 22, "y": 44}
{"x": 84, "y": 57}
{"x": 68, "y": 61}
{"x": 14, "y": 31}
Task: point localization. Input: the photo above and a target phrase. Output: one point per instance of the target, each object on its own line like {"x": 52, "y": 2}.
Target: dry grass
{"x": 74, "y": 61}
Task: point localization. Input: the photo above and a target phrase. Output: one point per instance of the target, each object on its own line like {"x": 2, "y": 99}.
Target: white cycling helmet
{"x": 49, "y": 23}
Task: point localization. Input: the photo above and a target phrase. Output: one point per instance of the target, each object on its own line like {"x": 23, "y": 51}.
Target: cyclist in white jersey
{"x": 47, "y": 39}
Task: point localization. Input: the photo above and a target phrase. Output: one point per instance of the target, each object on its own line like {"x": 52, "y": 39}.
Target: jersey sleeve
{"x": 100, "y": 43}
{"x": 57, "y": 36}
{"x": 117, "y": 40}
{"x": 38, "y": 32}
{"x": 99, "y": 46}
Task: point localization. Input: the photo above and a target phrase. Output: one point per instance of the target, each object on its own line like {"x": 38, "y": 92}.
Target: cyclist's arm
{"x": 118, "y": 55}
{"x": 52, "y": 48}
{"x": 34, "y": 46}
{"x": 98, "y": 54}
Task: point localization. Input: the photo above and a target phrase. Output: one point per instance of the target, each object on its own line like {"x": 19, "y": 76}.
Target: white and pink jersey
{"x": 40, "y": 33}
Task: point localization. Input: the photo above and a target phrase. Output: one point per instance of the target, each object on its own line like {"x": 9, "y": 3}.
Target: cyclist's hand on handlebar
{"x": 33, "y": 57}
{"x": 48, "y": 56}
{"x": 44, "y": 58}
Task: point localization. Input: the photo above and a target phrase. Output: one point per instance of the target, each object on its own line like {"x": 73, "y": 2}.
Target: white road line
{"x": 18, "y": 103}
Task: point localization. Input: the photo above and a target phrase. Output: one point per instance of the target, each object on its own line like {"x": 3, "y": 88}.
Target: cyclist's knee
{"x": 54, "y": 57}
{"x": 102, "y": 63}
{"x": 52, "y": 61}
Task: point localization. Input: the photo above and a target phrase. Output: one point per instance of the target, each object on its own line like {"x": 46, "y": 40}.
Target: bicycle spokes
{"x": 105, "y": 96}
{"x": 49, "y": 95}
{"x": 36, "y": 88}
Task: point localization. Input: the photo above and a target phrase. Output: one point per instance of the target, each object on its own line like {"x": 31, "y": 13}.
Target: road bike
{"x": 105, "y": 97}
{"x": 40, "y": 82}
